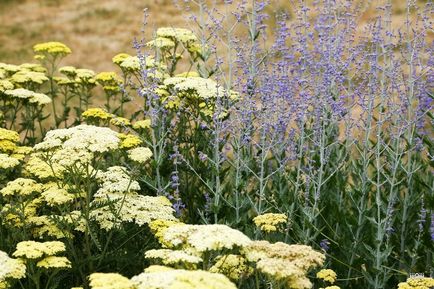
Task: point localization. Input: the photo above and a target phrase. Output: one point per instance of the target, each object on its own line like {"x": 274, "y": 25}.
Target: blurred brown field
{"x": 97, "y": 30}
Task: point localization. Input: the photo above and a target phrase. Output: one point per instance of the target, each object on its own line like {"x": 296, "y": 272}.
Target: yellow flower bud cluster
{"x": 270, "y": 222}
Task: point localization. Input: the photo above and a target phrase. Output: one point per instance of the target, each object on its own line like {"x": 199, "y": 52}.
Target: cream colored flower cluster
{"x": 173, "y": 257}
{"x": 160, "y": 277}
{"x": 283, "y": 262}
{"x": 10, "y": 269}
{"x": 43, "y": 253}
{"x": 129, "y": 206}
{"x": 182, "y": 35}
{"x": 235, "y": 267}
{"x": 417, "y": 283}
{"x": 202, "y": 238}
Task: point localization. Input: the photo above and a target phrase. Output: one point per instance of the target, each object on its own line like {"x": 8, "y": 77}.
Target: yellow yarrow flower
{"x": 129, "y": 141}
{"x": 69, "y": 71}
{"x": 119, "y": 58}
{"x": 54, "y": 262}
{"x": 161, "y": 43}
{"x": 235, "y": 267}
{"x": 417, "y": 283}
{"x": 26, "y": 76}
{"x": 270, "y": 222}
{"x": 142, "y": 124}
{"x": 5, "y": 85}
{"x": 36, "y": 250}
{"x": 10, "y": 135}
{"x": 327, "y": 275}
{"x": 53, "y": 48}
{"x": 97, "y": 113}
{"x": 173, "y": 257}
{"x": 109, "y": 281}
{"x": 331, "y": 287}
{"x": 10, "y": 268}
{"x": 7, "y": 162}
{"x": 21, "y": 187}
{"x": 167, "y": 278}
{"x": 120, "y": 121}
{"x": 7, "y": 146}
{"x": 140, "y": 154}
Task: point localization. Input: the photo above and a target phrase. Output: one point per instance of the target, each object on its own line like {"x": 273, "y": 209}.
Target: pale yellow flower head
{"x": 202, "y": 238}
{"x": 7, "y": 162}
{"x": 21, "y": 187}
{"x": 182, "y": 35}
{"x": 173, "y": 257}
{"x": 180, "y": 279}
{"x": 235, "y": 267}
{"x": 142, "y": 124}
{"x": 10, "y": 135}
{"x": 31, "y": 96}
{"x": 27, "y": 76}
{"x": 54, "y": 262}
{"x": 5, "y": 85}
{"x": 36, "y": 250}
{"x": 140, "y": 154}
{"x": 120, "y": 121}
{"x": 11, "y": 268}
{"x": 161, "y": 43}
{"x": 109, "y": 281}
{"x": 417, "y": 283}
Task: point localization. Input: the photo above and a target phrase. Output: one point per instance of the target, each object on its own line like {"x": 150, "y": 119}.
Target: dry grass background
{"x": 98, "y": 29}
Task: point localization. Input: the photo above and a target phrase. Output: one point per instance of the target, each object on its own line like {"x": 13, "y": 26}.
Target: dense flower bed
{"x": 302, "y": 164}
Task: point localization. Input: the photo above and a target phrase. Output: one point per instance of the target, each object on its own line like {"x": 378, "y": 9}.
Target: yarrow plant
{"x": 250, "y": 150}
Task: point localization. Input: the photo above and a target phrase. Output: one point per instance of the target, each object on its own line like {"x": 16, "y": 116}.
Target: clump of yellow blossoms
{"x": 129, "y": 141}
{"x": 21, "y": 187}
{"x": 201, "y": 238}
{"x": 173, "y": 258}
{"x": 119, "y": 58}
{"x": 283, "y": 262}
{"x": 160, "y": 277}
{"x": 96, "y": 113}
{"x": 10, "y": 269}
{"x": 53, "y": 48}
{"x": 29, "y": 77}
{"x": 327, "y": 275}
{"x": 109, "y": 81}
{"x": 233, "y": 266}
{"x": 161, "y": 43}
{"x": 182, "y": 35}
{"x": 270, "y": 222}
{"x": 120, "y": 121}
{"x": 7, "y": 162}
{"x": 417, "y": 283}
{"x": 36, "y": 250}
{"x": 142, "y": 124}
{"x": 129, "y": 206}
{"x": 140, "y": 154}
{"x": 54, "y": 262}
{"x": 109, "y": 281}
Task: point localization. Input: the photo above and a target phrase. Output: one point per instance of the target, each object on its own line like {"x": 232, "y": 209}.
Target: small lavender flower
{"x": 325, "y": 244}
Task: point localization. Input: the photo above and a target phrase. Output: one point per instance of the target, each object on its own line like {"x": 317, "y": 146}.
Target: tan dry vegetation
{"x": 96, "y": 30}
